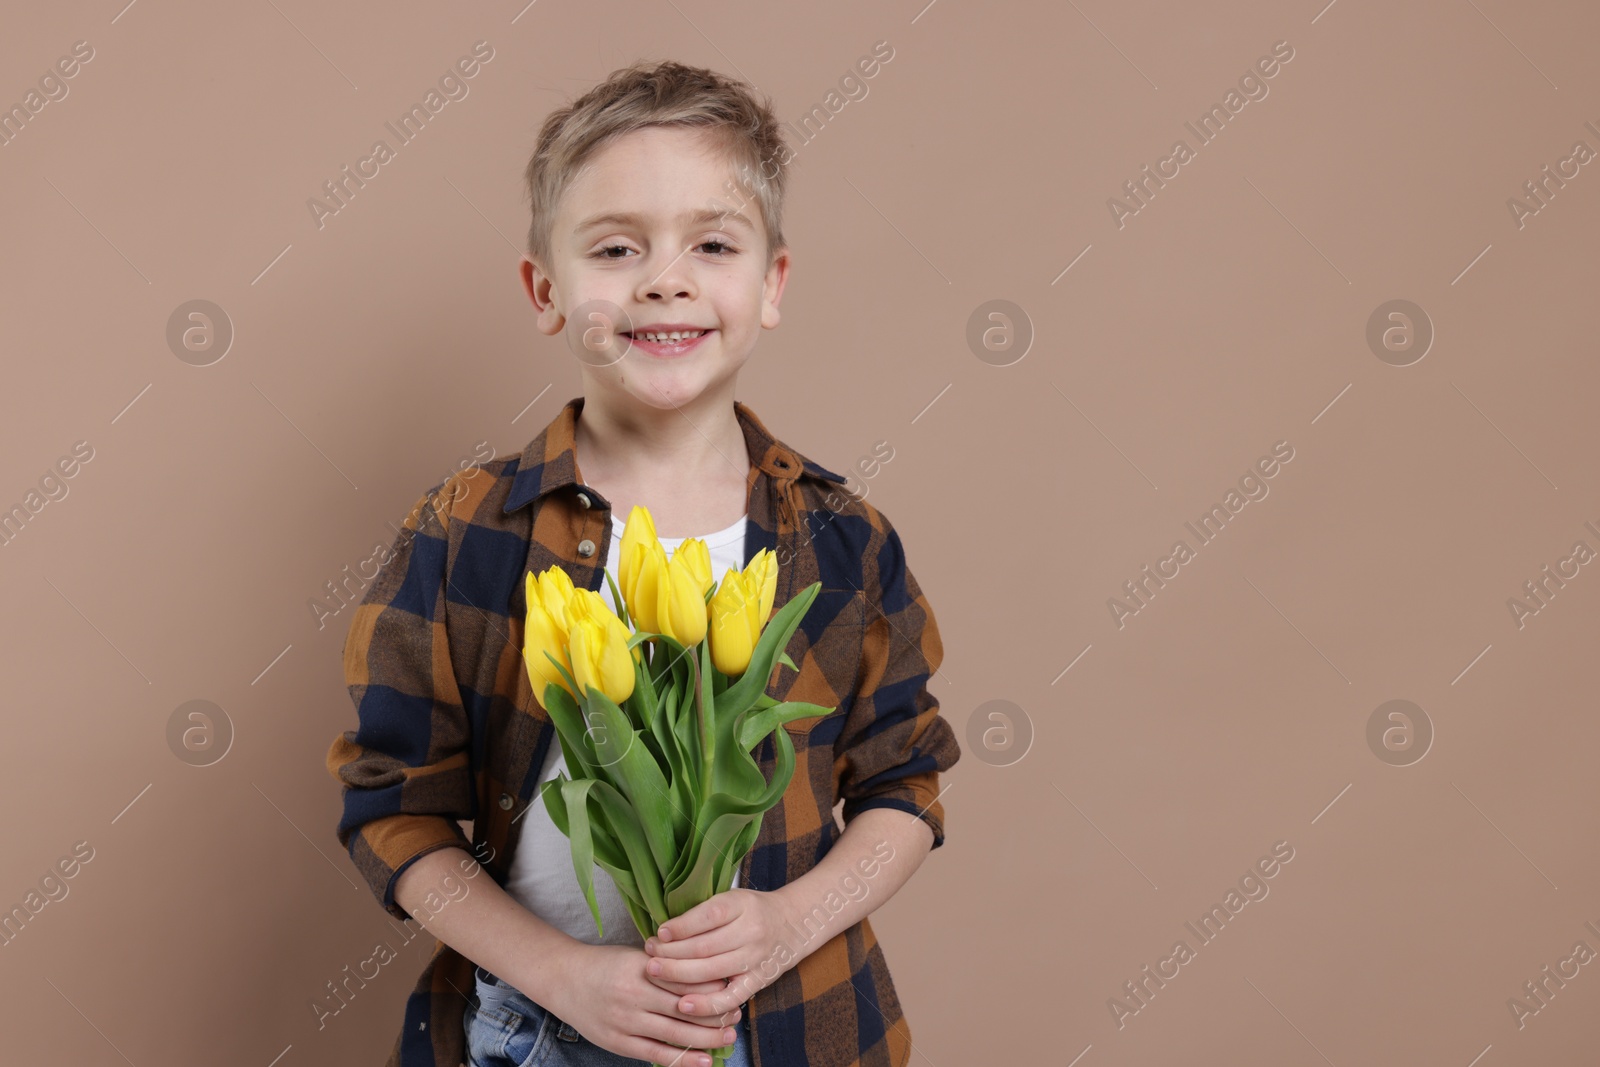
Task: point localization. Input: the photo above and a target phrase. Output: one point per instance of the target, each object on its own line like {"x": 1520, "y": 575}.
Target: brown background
{"x": 1230, "y": 313}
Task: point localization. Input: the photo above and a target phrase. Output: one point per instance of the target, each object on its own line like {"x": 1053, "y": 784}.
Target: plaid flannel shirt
{"x": 450, "y": 730}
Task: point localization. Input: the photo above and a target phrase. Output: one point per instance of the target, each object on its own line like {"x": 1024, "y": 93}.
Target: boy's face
{"x": 653, "y": 229}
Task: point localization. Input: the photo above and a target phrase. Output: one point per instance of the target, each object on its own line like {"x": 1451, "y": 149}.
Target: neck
{"x": 698, "y": 442}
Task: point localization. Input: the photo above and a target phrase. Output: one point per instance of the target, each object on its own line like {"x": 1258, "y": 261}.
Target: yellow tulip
{"x": 555, "y": 591}
{"x": 698, "y": 557}
{"x": 740, "y": 609}
{"x": 735, "y": 624}
{"x": 599, "y": 645}
{"x": 668, "y": 596}
{"x": 546, "y": 628}
{"x": 638, "y": 532}
{"x": 641, "y": 575}
{"x": 681, "y": 597}
{"x": 762, "y": 574}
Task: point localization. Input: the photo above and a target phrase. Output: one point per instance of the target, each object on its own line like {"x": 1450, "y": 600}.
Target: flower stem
{"x": 707, "y": 741}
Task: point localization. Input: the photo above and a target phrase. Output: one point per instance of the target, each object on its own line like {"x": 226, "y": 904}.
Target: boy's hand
{"x": 731, "y": 936}
{"x": 604, "y": 995}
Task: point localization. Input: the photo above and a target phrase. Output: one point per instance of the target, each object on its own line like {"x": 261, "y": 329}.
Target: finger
{"x": 731, "y": 1005}
{"x": 681, "y": 988}
{"x": 709, "y": 943}
{"x": 664, "y": 1003}
{"x": 642, "y": 1048}
{"x": 699, "y": 969}
{"x": 740, "y": 988}
{"x": 675, "y": 1031}
{"x": 704, "y": 916}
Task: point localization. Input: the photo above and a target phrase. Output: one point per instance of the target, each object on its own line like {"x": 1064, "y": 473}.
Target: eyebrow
{"x": 628, "y": 218}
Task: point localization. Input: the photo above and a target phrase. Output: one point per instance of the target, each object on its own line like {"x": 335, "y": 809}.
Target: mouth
{"x": 667, "y": 343}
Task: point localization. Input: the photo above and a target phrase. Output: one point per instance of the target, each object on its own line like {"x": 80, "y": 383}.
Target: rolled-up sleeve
{"x": 405, "y": 769}
{"x": 894, "y": 743}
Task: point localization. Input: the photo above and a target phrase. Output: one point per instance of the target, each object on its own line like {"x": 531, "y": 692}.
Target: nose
{"x": 673, "y": 279}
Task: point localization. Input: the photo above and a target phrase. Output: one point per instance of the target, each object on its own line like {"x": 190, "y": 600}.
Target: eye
{"x": 721, "y": 249}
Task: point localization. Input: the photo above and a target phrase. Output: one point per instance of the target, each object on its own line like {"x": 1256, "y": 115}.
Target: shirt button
{"x": 586, "y": 548}
{"x": 506, "y": 801}
{"x": 583, "y": 499}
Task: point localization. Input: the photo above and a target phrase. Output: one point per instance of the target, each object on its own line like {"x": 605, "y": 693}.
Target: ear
{"x": 541, "y": 291}
{"x": 772, "y": 288}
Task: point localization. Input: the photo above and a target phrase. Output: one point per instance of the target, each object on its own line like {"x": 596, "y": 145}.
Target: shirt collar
{"x": 550, "y": 460}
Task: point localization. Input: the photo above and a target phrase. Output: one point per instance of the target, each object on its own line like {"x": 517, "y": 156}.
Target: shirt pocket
{"x": 826, "y": 647}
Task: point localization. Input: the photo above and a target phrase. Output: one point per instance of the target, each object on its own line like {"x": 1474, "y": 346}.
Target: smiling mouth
{"x": 676, "y": 337}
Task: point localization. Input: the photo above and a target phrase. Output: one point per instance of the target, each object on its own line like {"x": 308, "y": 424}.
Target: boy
{"x": 661, "y": 273}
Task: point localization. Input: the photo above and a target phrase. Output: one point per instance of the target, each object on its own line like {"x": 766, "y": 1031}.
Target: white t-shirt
{"x": 542, "y": 878}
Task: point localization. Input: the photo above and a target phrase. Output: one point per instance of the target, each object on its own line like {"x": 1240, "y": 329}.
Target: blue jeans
{"x": 507, "y": 1029}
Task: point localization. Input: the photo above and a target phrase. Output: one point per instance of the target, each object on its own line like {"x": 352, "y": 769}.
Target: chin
{"x": 665, "y": 394}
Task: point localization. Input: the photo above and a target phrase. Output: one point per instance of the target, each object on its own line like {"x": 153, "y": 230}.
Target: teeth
{"x": 670, "y": 338}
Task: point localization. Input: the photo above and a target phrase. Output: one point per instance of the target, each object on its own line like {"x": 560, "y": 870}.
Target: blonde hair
{"x": 665, "y": 93}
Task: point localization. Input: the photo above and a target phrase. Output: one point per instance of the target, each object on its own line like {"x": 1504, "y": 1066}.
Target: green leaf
{"x": 574, "y": 800}
{"x": 653, "y": 721}
{"x": 685, "y": 767}
{"x": 646, "y": 926}
{"x": 760, "y": 723}
{"x": 634, "y": 771}
{"x": 608, "y": 853}
{"x": 736, "y": 853}
{"x": 712, "y": 854}
{"x": 561, "y": 669}
{"x": 571, "y": 731}
{"x": 623, "y": 823}
{"x": 721, "y": 822}
{"x": 685, "y": 729}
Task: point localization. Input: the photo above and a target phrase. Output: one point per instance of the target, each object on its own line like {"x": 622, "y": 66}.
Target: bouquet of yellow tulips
{"x": 657, "y": 711}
